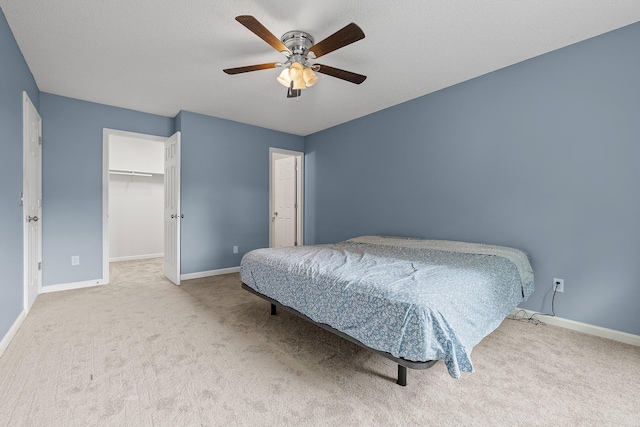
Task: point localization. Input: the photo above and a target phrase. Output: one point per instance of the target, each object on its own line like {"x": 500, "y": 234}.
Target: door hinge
{"x": 40, "y": 266}
{"x": 39, "y": 140}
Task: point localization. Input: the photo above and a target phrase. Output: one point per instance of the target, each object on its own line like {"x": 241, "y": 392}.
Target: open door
{"x": 32, "y": 202}
{"x": 284, "y": 202}
{"x": 172, "y": 215}
{"x": 286, "y": 197}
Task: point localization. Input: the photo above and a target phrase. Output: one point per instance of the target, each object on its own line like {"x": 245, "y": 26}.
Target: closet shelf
{"x": 132, "y": 173}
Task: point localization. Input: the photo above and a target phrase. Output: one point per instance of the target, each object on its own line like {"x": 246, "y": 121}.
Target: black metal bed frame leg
{"x": 402, "y": 375}
{"x": 273, "y": 310}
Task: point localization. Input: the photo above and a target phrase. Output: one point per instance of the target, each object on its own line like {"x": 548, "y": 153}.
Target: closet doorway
{"x": 141, "y": 199}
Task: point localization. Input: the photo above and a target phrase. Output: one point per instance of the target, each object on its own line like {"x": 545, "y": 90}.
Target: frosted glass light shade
{"x": 309, "y": 76}
{"x": 296, "y": 75}
{"x": 284, "y": 78}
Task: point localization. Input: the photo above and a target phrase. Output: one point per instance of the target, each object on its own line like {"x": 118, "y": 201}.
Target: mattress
{"x": 415, "y": 299}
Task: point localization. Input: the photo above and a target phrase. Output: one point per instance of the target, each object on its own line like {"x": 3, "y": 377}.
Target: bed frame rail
{"x": 403, "y": 364}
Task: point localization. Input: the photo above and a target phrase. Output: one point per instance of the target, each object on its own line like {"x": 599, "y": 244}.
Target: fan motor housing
{"x": 298, "y": 42}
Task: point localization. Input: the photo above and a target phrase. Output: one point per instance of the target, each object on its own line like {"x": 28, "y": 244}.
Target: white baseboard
{"x": 71, "y": 286}
{"x": 12, "y": 332}
{"x": 586, "y": 328}
{"x": 135, "y": 257}
{"x": 209, "y": 273}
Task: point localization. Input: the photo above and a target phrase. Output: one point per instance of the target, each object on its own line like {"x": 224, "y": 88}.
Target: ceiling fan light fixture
{"x": 310, "y": 77}
{"x": 297, "y": 74}
{"x": 284, "y": 78}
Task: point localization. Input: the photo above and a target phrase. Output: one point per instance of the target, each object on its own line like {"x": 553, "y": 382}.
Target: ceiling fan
{"x": 299, "y": 48}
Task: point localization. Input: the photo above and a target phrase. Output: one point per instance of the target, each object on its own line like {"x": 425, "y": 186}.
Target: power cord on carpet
{"x": 533, "y": 319}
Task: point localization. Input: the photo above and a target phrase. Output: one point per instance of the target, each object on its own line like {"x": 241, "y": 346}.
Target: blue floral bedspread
{"x": 415, "y": 299}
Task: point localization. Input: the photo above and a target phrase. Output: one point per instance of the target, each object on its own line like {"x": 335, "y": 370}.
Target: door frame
{"x": 275, "y": 153}
{"x": 106, "y": 134}
{"x": 27, "y": 104}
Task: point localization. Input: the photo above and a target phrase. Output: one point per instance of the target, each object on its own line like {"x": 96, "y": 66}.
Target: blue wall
{"x": 72, "y": 181}
{"x": 224, "y": 185}
{"x": 15, "y": 78}
{"x": 225, "y": 189}
{"x": 543, "y": 156}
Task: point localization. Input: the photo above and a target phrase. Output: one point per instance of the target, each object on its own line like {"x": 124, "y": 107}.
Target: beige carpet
{"x": 143, "y": 352}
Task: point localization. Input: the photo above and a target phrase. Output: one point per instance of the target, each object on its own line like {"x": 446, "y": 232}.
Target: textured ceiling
{"x": 163, "y": 56}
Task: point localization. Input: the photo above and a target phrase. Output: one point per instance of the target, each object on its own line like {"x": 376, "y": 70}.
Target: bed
{"x": 414, "y": 301}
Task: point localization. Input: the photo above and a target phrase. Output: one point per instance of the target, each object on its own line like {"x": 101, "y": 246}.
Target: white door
{"x": 284, "y": 202}
{"x": 172, "y": 214}
{"x": 32, "y": 201}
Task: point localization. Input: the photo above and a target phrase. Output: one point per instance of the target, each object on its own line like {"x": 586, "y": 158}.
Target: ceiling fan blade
{"x": 347, "y": 35}
{"x": 261, "y": 31}
{"x": 341, "y": 74}
{"x": 248, "y": 68}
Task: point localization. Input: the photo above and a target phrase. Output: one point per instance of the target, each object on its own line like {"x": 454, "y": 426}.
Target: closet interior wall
{"x": 136, "y": 198}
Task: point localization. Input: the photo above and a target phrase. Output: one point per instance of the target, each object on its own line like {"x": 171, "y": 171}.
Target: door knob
{"x": 32, "y": 218}
{"x": 275, "y": 213}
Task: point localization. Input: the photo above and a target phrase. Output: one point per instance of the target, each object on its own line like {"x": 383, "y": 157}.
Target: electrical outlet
{"x": 75, "y": 260}
{"x": 558, "y": 285}
{"x": 235, "y": 249}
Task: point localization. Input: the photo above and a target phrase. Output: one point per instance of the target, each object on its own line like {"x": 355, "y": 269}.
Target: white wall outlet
{"x": 235, "y": 249}
{"x": 558, "y": 285}
{"x": 75, "y": 260}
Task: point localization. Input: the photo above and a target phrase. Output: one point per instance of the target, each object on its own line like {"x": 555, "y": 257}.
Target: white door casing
{"x": 286, "y": 196}
{"x": 32, "y": 201}
{"x": 172, "y": 215}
